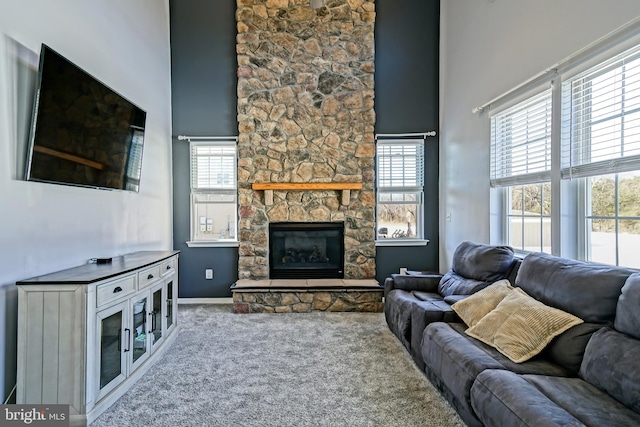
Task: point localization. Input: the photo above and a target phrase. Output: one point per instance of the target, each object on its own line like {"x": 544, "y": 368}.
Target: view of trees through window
{"x": 614, "y": 218}
{"x": 529, "y": 217}
{"x": 397, "y": 215}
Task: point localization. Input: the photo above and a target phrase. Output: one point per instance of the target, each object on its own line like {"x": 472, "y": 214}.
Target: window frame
{"x": 197, "y": 190}
{"x": 531, "y": 113}
{"x": 388, "y": 185}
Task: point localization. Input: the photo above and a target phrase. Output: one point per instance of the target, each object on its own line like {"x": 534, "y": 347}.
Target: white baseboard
{"x": 205, "y": 300}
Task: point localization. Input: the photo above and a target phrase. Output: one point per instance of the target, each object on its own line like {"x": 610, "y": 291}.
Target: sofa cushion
{"x": 611, "y": 364}
{"x": 427, "y": 296}
{"x": 478, "y": 305}
{"x": 587, "y": 290}
{"x": 503, "y": 398}
{"x": 628, "y": 313}
{"x": 453, "y": 360}
{"x": 422, "y": 314}
{"x": 475, "y": 267}
{"x": 454, "y": 284}
{"x": 536, "y": 365}
{"x": 520, "y": 327}
{"x": 567, "y": 349}
{"x": 584, "y": 401}
{"x": 485, "y": 263}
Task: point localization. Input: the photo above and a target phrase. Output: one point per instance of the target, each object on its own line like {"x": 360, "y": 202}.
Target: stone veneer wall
{"x": 305, "y": 114}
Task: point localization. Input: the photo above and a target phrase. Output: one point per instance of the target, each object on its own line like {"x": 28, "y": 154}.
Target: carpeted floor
{"x": 309, "y": 369}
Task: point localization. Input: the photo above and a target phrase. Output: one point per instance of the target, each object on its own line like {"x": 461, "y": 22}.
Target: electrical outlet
{"x": 208, "y": 273}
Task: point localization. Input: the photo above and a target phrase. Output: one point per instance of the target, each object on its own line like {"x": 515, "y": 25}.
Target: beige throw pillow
{"x": 478, "y": 305}
{"x": 520, "y": 326}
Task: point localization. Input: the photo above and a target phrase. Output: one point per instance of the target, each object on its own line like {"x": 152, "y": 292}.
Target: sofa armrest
{"x": 414, "y": 282}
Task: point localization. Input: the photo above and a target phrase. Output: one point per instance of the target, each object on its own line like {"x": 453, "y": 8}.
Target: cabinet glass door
{"x": 113, "y": 343}
{"x": 110, "y": 348}
{"x": 170, "y": 304}
{"x": 156, "y": 315}
{"x": 140, "y": 332}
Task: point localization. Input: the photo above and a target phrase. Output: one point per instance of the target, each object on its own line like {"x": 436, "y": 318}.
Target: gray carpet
{"x": 309, "y": 369}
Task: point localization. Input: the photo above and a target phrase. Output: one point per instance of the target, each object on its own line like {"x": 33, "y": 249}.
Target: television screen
{"x": 83, "y": 133}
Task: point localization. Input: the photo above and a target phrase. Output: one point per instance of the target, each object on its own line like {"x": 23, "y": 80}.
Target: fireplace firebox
{"x": 313, "y": 250}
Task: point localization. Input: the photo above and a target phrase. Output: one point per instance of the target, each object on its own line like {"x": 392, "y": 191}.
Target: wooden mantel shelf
{"x": 269, "y": 187}
{"x": 307, "y": 186}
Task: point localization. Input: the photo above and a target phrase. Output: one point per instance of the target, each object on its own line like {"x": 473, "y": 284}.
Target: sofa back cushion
{"x": 628, "y": 311}
{"x": 474, "y": 267}
{"x": 587, "y": 290}
{"x": 611, "y": 364}
{"x": 567, "y": 349}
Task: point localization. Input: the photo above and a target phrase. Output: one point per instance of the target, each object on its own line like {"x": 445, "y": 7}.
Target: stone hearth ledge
{"x": 303, "y": 296}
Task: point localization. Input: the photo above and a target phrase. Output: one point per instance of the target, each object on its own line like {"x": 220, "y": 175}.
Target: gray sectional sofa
{"x": 587, "y": 375}
{"x": 414, "y": 300}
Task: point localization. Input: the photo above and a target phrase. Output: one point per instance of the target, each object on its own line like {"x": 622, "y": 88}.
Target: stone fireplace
{"x": 305, "y": 115}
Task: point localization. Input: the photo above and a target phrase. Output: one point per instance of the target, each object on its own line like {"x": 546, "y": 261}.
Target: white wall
{"x": 46, "y": 227}
{"x": 488, "y": 47}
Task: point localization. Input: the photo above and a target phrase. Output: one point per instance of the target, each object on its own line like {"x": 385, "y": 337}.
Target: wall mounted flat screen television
{"x": 83, "y": 133}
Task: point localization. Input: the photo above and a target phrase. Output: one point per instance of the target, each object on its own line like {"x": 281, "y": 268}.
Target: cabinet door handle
{"x": 153, "y": 320}
{"x": 117, "y": 289}
{"x": 149, "y": 277}
{"x": 128, "y": 331}
{"x": 168, "y": 267}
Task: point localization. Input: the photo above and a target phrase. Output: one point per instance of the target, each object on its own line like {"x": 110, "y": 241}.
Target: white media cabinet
{"x": 86, "y": 334}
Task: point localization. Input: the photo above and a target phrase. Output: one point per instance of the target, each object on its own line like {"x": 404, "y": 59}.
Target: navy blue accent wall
{"x": 203, "y": 66}
{"x": 203, "y": 75}
{"x": 407, "y": 50}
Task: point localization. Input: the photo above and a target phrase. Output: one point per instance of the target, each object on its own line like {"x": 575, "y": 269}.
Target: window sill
{"x": 214, "y": 244}
{"x": 402, "y": 242}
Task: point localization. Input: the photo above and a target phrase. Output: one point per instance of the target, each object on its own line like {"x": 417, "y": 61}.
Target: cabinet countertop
{"x": 92, "y": 272}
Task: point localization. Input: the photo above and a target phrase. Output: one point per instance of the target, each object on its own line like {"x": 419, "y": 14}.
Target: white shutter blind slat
{"x": 601, "y": 118}
{"x": 213, "y": 167}
{"x": 521, "y": 142}
{"x": 400, "y": 163}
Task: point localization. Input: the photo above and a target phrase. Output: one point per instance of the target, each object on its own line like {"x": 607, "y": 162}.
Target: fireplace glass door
{"x": 306, "y": 250}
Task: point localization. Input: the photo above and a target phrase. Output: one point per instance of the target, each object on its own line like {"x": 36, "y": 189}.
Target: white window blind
{"x": 213, "y": 165}
{"x": 521, "y": 142}
{"x": 400, "y": 164}
{"x": 601, "y": 118}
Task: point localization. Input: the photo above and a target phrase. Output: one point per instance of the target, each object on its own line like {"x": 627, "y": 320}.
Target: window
{"x": 213, "y": 191}
{"x": 400, "y": 182}
{"x": 578, "y": 193}
{"x": 601, "y": 147}
{"x": 529, "y": 217}
{"x": 613, "y": 218}
{"x": 521, "y": 170}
